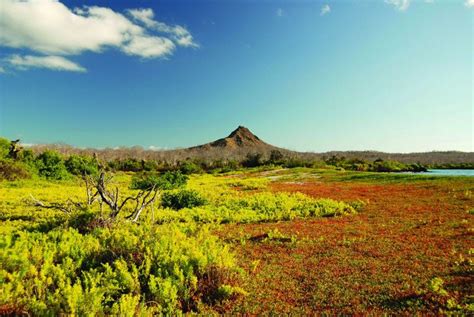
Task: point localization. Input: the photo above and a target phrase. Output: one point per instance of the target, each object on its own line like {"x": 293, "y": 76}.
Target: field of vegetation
{"x": 252, "y": 240}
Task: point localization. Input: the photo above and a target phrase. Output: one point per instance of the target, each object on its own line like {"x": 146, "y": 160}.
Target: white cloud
{"x": 178, "y": 33}
{"x": 143, "y": 15}
{"x": 469, "y": 3}
{"x": 325, "y": 9}
{"x": 49, "y": 62}
{"x": 280, "y": 12}
{"x": 149, "y": 47}
{"x": 49, "y": 27}
{"x": 401, "y": 5}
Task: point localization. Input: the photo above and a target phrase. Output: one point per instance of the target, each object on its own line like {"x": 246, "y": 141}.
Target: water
{"x": 448, "y": 172}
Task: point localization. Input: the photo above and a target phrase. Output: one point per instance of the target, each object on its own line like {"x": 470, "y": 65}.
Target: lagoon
{"x": 450, "y": 172}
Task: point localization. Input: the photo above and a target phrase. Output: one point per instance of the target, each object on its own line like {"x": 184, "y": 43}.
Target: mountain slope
{"x": 239, "y": 138}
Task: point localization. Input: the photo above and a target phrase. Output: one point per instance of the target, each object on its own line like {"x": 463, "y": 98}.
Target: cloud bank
{"x": 49, "y": 28}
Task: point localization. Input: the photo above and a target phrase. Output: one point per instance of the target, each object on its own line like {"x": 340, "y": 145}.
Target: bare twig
{"x": 39, "y": 203}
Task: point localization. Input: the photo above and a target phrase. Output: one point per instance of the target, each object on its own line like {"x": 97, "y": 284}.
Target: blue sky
{"x": 393, "y": 75}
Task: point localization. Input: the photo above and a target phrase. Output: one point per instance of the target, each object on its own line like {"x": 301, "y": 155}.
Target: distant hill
{"x": 240, "y": 142}
{"x": 239, "y": 138}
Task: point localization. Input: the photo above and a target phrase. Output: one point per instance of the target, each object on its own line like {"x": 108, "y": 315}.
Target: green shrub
{"x": 4, "y": 148}
{"x": 27, "y": 156}
{"x": 260, "y": 207}
{"x": 253, "y": 160}
{"x": 276, "y": 157}
{"x": 166, "y": 181}
{"x": 150, "y": 165}
{"x": 51, "y": 165}
{"x": 182, "y": 199}
{"x": 126, "y": 270}
{"x": 127, "y": 165}
{"x": 188, "y": 168}
{"x": 11, "y": 170}
{"x": 81, "y": 165}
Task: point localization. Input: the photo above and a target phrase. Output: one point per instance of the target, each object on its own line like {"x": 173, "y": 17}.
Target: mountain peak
{"x": 240, "y": 138}
{"x": 243, "y": 133}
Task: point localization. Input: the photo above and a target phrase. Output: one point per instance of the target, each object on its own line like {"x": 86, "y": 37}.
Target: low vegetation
{"x": 69, "y": 244}
{"x": 123, "y": 270}
{"x": 80, "y": 237}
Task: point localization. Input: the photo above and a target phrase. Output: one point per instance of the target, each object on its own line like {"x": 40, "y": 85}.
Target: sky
{"x": 386, "y": 75}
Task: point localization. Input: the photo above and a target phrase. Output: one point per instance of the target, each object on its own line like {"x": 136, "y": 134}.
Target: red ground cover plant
{"x": 380, "y": 260}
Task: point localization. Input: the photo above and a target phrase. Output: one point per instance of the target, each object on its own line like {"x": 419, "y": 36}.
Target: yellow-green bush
{"x": 123, "y": 269}
{"x": 260, "y": 207}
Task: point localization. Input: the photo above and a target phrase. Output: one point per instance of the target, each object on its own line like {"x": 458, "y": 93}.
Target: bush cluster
{"x": 11, "y": 170}
{"x": 182, "y": 199}
{"x": 166, "y": 181}
{"x": 378, "y": 165}
{"x": 124, "y": 271}
{"x": 260, "y": 207}
{"x": 48, "y": 164}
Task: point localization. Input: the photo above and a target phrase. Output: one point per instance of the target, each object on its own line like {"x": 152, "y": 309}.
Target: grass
{"x": 398, "y": 244}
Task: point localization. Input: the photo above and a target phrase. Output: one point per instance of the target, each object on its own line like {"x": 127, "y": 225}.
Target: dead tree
{"x": 97, "y": 191}
{"x": 91, "y": 191}
{"x": 142, "y": 200}
{"x": 112, "y": 199}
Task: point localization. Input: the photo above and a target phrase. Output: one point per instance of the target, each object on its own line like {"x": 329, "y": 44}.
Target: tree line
{"x": 17, "y": 162}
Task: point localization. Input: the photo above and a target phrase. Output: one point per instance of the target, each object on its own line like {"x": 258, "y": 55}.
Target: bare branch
{"x": 39, "y": 203}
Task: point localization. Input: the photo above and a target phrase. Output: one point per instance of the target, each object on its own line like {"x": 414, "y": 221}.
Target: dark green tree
{"x": 81, "y": 165}
{"x": 51, "y": 165}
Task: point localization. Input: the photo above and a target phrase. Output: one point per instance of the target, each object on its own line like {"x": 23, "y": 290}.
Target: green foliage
{"x": 293, "y": 162}
{"x": 4, "y": 147}
{"x": 27, "y": 156}
{"x": 452, "y": 166}
{"x": 189, "y": 167}
{"x": 260, "y": 207}
{"x": 437, "y": 296}
{"x": 166, "y": 181}
{"x": 11, "y": 170}
{"x": 253, "y": 160}
{"x": 127, "y": 165}
{"x": 436, "y": 286}
{"x": 378, "y": 165}
{"x": 150, "y": 165}
{"x": 276, "y": 157}
{"x": 51, "y": 165}
{"x": 182, "y": 199}
{"x": 81, "y": 165}
{"x": 123, "y": 270}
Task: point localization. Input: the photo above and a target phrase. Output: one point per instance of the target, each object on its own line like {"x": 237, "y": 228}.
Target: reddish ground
{"x": 379, "y": 260}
